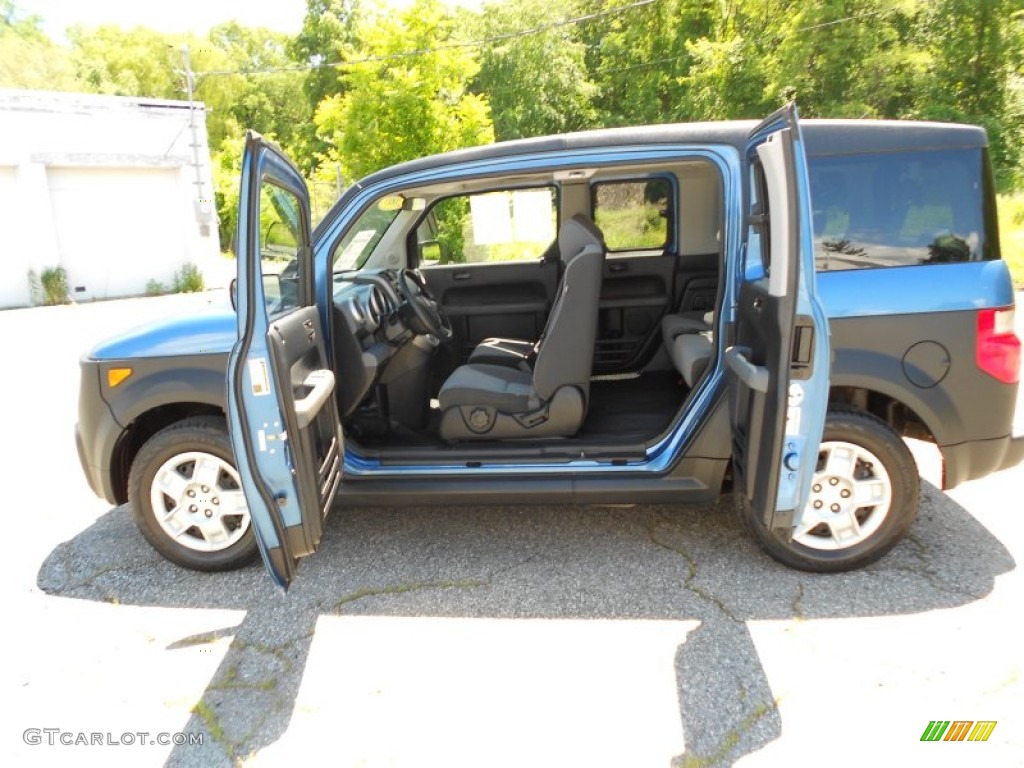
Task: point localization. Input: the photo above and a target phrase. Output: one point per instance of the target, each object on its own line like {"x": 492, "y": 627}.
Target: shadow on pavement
{"x": 652, "y": 562}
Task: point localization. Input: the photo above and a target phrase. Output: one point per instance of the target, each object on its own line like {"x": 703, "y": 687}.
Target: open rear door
{"x": 779, "y": 360}
{"x": 281, "y": 409}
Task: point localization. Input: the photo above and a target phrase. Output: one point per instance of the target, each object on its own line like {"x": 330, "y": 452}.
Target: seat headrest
{"x": 576, "y": 235}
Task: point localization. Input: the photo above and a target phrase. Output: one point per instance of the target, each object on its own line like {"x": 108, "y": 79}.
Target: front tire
{"x": 187, "y": 500}
{"x": 863, "y": 499}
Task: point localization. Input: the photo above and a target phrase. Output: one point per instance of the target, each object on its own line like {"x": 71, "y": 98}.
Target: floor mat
{"x": 633, "y": 409}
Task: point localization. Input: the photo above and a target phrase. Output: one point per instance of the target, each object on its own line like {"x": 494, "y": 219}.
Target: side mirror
{"x": 430, "y": 252}
{"x": 233, "y": 293}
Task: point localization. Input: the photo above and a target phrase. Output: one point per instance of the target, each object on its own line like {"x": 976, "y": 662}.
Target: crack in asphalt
{"x": 797, "y": 604}
{"x": 88, "y": 581}
{"x": 729, "y": 741}
{"x": 691, "y": 569}
{"x": 405, "y": 588}
{"x": 719, "y": 752}
{"x": 928, "y": 571}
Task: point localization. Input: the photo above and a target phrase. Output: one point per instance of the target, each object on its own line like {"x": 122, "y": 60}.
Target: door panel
{"x": 696, "y": 287}
{"x": 507, "y": 300}
{"x": 778, "y": 366}
{"x": 635, "y": 294}
{"x": 285, "y": 430}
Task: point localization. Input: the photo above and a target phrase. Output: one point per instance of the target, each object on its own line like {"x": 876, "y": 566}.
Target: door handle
{"x": 754, "y": 376}
{"x": 619, "y": 267}
{"x": 321, "y": 385}
{"x": 462, "y": 274}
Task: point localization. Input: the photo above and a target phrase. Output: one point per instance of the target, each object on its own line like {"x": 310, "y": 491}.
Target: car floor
{"x": 633, "y": 410}
{"x": 621, "y": 411}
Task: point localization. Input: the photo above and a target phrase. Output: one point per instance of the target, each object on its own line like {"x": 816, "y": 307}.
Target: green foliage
{"x": 972, "y": 47}
{"x": 155, "y": 288}
{"x": 362, "y": 86}
{"x": 1011, "y": 235}
{"x": 55, "y": 286}
{"x": 126, "y": 62}
{"x": 27, "y": 58}
{"x": 451, "y": 217}
{"x": 188, "y": 279}
{"x": 537, "y": 84}
{"x": 398, "y": 107}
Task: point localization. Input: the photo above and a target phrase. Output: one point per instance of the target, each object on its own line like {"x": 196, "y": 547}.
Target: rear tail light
{"x": 998, "y": 348}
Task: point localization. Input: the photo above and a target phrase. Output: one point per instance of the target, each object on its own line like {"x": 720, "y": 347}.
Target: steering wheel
{"x": 425, "y": 308}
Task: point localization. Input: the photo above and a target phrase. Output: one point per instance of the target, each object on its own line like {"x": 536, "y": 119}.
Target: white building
{"x": 108, "y": 187}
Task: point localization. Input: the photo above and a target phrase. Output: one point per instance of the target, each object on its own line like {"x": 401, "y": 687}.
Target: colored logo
{"x": 958, "y": 730}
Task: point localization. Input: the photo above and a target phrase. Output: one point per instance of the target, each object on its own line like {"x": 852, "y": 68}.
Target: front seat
{"x": 485, "y": 401}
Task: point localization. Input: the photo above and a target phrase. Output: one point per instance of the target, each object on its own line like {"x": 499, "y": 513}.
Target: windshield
{"x": 365, "y": 232}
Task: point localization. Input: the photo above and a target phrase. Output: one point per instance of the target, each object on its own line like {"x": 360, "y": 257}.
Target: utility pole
{"x": 203, "y": 205}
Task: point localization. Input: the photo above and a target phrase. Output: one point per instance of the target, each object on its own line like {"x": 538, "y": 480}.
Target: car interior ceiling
{"x": 633, "y": 397}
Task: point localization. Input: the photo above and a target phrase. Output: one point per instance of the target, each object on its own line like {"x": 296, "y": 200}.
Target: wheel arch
{"x": 142, "y": 428}
{"x": 872, "y": 382}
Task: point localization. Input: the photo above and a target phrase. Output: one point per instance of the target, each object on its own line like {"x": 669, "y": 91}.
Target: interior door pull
{"x": 463, "y": 274}
{"x": 321, "y": 385}
{"x": 619, "y": 267}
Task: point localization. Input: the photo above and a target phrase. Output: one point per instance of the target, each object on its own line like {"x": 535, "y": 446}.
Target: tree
{"x": 263, "y": 92}
{"x": 329, "y": 35}
{"x": 973, "y": 51}
{"x": 638, "y": 57}
{"x": 536, "y": 84}
{"x": 841, "y": 58}
{"x": 28, "y": 59}
{"x": 406, "y": 94}
{"x": 126, "y": 62}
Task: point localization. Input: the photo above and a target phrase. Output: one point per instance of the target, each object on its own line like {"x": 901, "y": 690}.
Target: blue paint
{"x": 916, "y": 290}
{"x": 211, "y": 332}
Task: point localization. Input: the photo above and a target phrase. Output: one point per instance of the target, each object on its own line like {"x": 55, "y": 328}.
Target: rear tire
{"x": 863, "y": 499}
{"x": 186, "y": 498}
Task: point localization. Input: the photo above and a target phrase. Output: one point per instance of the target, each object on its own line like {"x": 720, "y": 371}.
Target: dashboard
{"x": 369, "y": 329}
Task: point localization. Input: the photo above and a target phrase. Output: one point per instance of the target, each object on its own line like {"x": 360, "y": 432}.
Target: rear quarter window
{"x": 898, "y": 209}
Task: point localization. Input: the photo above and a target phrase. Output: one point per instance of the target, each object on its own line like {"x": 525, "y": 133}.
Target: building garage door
{"x": 14, "y": 247}
{"x": 118, "y": 228}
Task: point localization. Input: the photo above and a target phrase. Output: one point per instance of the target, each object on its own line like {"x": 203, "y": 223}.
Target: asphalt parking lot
{"x": 500, "y": 636}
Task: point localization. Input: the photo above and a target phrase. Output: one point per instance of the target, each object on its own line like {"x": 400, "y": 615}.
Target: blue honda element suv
{"x": 620, "y": 316}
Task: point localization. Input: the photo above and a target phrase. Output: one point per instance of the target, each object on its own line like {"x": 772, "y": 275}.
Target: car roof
{"x": 820, "y": 137}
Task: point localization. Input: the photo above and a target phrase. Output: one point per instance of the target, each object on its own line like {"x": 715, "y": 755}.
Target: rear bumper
{"x": 977, "y": 458}
{"x": 1014, "y": 453}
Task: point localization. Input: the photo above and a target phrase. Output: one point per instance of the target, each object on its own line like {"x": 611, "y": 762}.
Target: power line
{"x": 776, "y": 39}
{"x": 423, "y": 51}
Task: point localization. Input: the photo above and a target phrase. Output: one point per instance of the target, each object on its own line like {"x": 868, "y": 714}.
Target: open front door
{"x": 281, "y": 409}
{"x": 778, "y": 364}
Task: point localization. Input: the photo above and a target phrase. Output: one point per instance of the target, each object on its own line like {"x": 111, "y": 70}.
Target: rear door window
{"x": 633, "y": 215}
{"x": 898, "y": 209}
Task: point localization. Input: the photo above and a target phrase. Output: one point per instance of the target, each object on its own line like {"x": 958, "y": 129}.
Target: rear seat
{"x": 687, "y": 338}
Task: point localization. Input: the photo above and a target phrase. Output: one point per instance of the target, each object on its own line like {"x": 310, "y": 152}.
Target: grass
{"x": 1011, "y": 235}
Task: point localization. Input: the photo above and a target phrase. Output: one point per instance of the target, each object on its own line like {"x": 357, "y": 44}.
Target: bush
{"x": 188, "y": 279}
{"x": 155, "y": 288}
{"x": 55, "y": 286}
